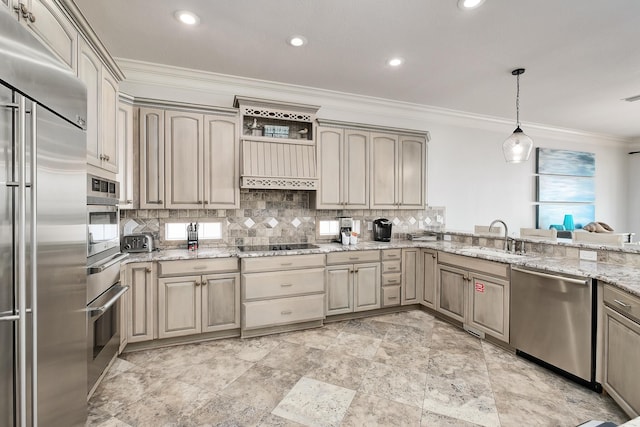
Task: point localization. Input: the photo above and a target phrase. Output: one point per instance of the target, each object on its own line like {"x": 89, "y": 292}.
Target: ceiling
{"x": 581, "y": 57}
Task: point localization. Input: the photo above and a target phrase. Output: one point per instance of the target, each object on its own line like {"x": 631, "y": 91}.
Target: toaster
{"x": 142, "y": 242}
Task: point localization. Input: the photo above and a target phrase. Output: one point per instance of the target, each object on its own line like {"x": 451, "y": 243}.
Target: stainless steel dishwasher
{"x": 553, "y": 322}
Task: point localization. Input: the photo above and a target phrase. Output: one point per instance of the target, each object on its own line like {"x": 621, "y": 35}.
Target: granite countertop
{"x": 622, "y": 276}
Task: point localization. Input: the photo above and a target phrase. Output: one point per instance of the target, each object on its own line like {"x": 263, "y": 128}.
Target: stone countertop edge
{"x": 624, "y": 277}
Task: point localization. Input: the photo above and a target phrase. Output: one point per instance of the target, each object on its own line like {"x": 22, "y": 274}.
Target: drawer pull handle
{"x": 200, "y": 267}
{"x": 622, "y": 304}
{"x": 286, "y": 285}
{"x": 390, "y": 298}
{"x": 392, "y": 282}
{"x": 392, "y": 256}
{"x": 285, "y": 312}
{"x": 392, "y": 268}
{"x": 284, "y": 264}
{"x": 354, "y": 258}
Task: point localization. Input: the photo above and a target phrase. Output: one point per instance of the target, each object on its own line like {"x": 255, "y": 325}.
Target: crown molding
{"x": 334, "y": 102}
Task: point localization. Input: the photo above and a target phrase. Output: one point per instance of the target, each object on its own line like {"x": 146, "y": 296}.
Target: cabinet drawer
{"x": 350, "y": 257}
{"x": 390, "y": 295}
{"x": 391, "y": 267}
{"x": 623, "y": 302}
{"x": 279, "y": 263}
{"x": 282, "y": 283}
{"x": 391, "y": 254}
{"x": 391, "y": 279}
{"x": 259, "y": 314}
{"x": 197, "y": 266}
{"x": 471, "y": 263}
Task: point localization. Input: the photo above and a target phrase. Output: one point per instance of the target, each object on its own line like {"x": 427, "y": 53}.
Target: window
{"x": 206, "y": 230}
{"x": 328, "y": 227}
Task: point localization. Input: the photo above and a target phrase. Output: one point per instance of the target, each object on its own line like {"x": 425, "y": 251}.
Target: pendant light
{"x": 517, "y": 148}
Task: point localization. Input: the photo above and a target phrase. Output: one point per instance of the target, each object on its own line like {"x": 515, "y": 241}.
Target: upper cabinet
{"x": 362, "y": 167}
{"x": 125, "y": 135}
{"x": 343, "y": 162}
{"x": 50, "y": 25}
{"x": 278, "y": 147}
{"x": 398, "y": 171}
{"x": 189, "y": 159}
{"x": 102, "y": 107}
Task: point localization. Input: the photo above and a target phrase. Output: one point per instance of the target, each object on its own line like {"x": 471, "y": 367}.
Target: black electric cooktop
{"x": 277, "y": 247}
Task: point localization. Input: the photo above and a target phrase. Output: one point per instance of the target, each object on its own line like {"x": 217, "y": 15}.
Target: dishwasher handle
{"x": 584, "y": 282}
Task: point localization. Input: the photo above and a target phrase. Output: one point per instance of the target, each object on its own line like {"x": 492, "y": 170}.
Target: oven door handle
{"x": 96, "y": 311}
{"x": 98, "y": 268}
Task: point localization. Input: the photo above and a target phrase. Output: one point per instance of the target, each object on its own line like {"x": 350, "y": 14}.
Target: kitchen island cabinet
{"x": 474, "y": 292}
{"x": 622, "y": 349}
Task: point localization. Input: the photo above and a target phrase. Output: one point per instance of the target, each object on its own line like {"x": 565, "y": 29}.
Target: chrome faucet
{"x": 506, "y": 232}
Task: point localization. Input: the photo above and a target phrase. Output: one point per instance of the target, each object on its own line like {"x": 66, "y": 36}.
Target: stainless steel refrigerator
{"x": 43, "y": 323}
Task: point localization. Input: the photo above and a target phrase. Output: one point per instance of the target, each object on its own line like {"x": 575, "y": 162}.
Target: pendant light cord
{"x": 518, "y": 100}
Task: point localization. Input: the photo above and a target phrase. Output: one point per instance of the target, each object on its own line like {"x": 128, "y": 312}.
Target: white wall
{"x": 467, "y": 173}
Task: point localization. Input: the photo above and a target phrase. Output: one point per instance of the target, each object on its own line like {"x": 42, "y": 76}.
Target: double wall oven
{"x": 104, "y": 290}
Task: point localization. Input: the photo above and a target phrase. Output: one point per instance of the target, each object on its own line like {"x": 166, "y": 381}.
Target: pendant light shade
{"x": 517, "y": 148}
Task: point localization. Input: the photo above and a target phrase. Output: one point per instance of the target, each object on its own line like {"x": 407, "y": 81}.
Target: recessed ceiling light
{"x": 469, "y": 4}
{"x": 297, "y": 41}
{"x": 395, "y": 62}
{"x": 187, "y": 17}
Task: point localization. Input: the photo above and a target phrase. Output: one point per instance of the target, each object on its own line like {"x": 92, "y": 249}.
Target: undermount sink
{"x": 490, "y": 252}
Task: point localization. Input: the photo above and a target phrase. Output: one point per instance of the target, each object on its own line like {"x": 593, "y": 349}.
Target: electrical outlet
{"x": 369, "y": 225}
{"x": 446, "y": 237}
{"x": 589, "y": 255}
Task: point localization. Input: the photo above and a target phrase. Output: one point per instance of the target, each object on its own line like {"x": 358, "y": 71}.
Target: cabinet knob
{"x": 197, "y": 283}
{"x": 148, "y": 270}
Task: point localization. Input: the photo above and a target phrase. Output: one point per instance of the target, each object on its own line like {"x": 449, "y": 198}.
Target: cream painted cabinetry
{"x": 50, "y": 25}
{"x": 353, "y": 281}
{"x": 343, "y": 164}
{"x": 474, "y": 292}
{"x": 429, "y": 277}
{"x": 622, "y": 349}
{"x": 411, "y": 276}
{"x": 151, "y": 149}
{"x": 102, "y": 106}
{"x": 198, "y": 296}
{"x": 139, "y": 302}
{"x": 202, "y": 161}
{"x": 391, "y": 279}
{"x": 398, "y": 171}
{"x": 282, "y": 293}
{"x": 126, "y": 159}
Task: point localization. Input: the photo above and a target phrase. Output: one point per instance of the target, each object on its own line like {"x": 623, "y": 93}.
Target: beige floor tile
{"x": 403, "y": 355}
{"x": 214, "y": 375}
{"x": 431, "y": 419}
{"x": 340, "y": 369}
{"x": 356, "y": 345}
{"x": 368, "y": 410}
{"x": 403, "y": 334}
{"x": 271, "y": 420}
{"x": 289, "y": 357}
{"x": 315, "y": 403}
{"x": 366, "y": 327}
{"x": 399, "y": 384}
{"x": 320, "y": 338}
{"x": 225, "y": 411}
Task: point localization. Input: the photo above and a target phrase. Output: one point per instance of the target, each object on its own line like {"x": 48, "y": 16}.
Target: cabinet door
{"x": 429, "y": 277}
{"x": 140, "y": 305}
{"x": 151, "y": 144}
{"x": 339, "y": 289}
{"x": 411, "y": 273}
{"x": 412, "y": 182}
{"x": 450, "y": 292}
{"x": 621, "y": 353}
{"x": 222, "y": 162}
{"x": 366, "y": 286}
{"x": 220, "y": 302}
{"x": 489, "y": 305}
{"x": 329, "y": 147}
{"x": 179, "y": 306}
{"x": 89, "y": 71}
{"x": 108, "y": 123}
{"x": 184, "y": 160}
{"x": 384, "y": 173}
{"x": 125, "y": 154}
{"x": 355, "y": 174}
{"x": 53, "y": 29}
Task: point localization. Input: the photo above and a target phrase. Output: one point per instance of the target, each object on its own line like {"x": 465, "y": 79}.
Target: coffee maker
{"x": 382, "y": 230}
{"x": 346, "y": 226}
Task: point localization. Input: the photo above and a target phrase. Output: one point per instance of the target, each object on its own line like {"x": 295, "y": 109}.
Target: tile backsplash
{"x": 275, "y": 216}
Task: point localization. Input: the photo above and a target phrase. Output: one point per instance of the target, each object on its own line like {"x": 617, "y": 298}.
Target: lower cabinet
{"x": 197, "y": 304}
{"x": 411, "y": 272}
{"x": 429, "y": 277}
{"x": 355, "y": 286}
{"x": 281, "y": 292}
{"x": 622, "y": 349}
{"x": 198, "y": 296}
{"x": 139, "y": 305}
{"x": 391, "y": 279}
{"x": 474, "y": 292}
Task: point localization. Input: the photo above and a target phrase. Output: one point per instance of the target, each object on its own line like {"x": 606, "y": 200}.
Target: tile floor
{"x": 402, "y": 369}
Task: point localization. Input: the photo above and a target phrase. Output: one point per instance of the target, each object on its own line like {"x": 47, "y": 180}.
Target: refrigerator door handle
{"x": 11, "y": 318}
{"x": 32, "y": 185}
